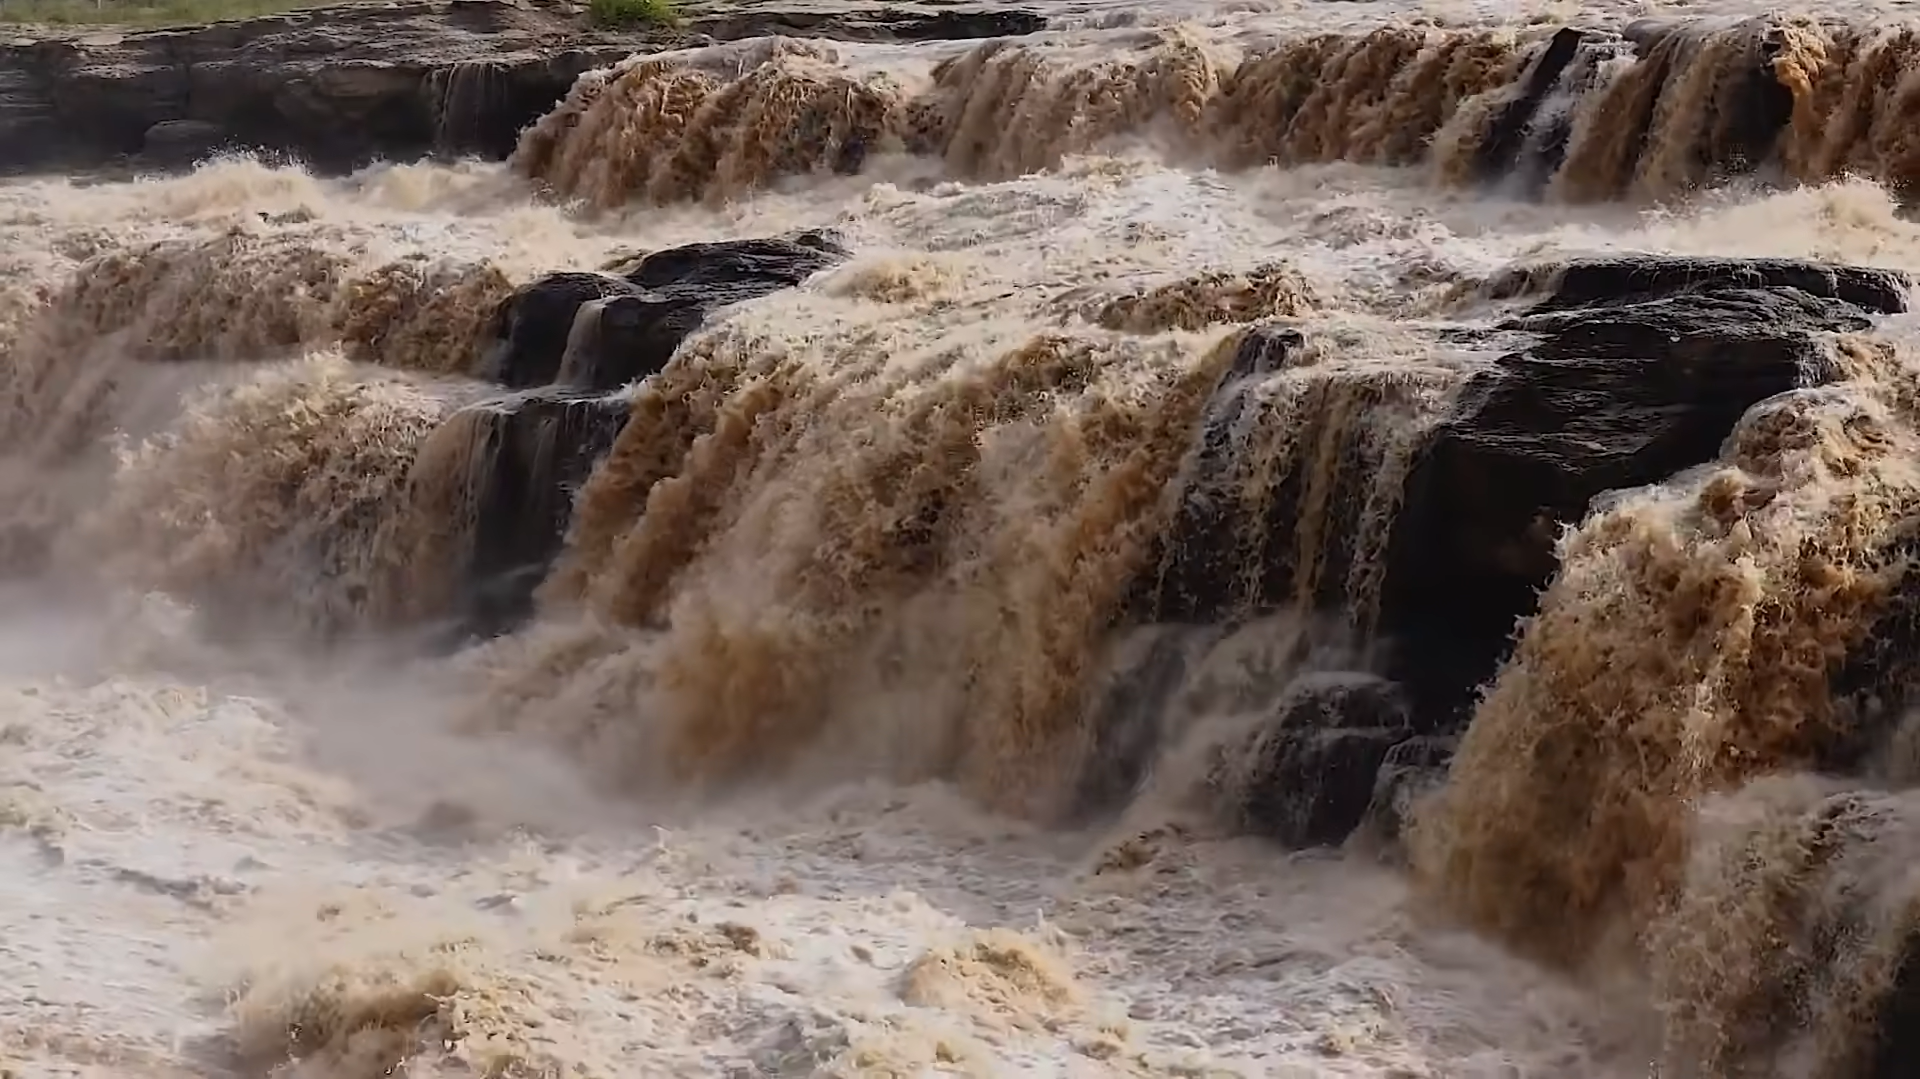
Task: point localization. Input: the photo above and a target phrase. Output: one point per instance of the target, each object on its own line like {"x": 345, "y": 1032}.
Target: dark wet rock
{"x": 335, "y": 87}
{"x": 183, "y": 142}
{"x": 1199, "y": 575}
{"x": 1409, "y": 770}
{"x": 1875, "y": 687}
{"x": 600, "y": 331}
{"x": 568, "y": 342}
{"x": 340, "y": 86}
{"x": 1639, "y": 368}
{"x": 1517, "y": 138}
{"x": 1306, "y": 777}
{"x": 1602, "y": 374}
{"x": 531, "y": 452}
{"x": 1523, "y": 140}
{"x": 1599, "y": 375}
{"x": 734, "y": 270}
{"x": 1751, "y": 105}
{"x": 1895, "y": 1052}
{"x": 1876, "y": 684}
{"x": 531, "y": 327}
{"x": 1294, "y": 457}
{"x": 479, "y": 107}
{"x": 1616, "y": 280}
{"x": 1129, "y": 711}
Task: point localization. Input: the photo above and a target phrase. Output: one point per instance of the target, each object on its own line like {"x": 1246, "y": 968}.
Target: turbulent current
{"x": 1130, "y": 550}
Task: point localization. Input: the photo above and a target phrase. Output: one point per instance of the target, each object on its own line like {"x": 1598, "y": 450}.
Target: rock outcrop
{"x": 1408, "y": 771}
{"x": 1305, "y": 777}
{"x": 1638, "y": 368}
{"x": 534, "y": 450}
{"x": 1197, "y": 578}
{"x": 1514, "y": 143}
{"x": 601, "y": 331}
{"x": 1605, "y": 374}
{"x": 1874, "y": 688}
{"x": 573, "y": 344}
{"x": 1526, "y": 137}
{"x": 340, "y": 86}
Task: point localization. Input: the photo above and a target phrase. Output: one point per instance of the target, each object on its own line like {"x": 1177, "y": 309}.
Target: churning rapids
{"x": 1203, "y": 541}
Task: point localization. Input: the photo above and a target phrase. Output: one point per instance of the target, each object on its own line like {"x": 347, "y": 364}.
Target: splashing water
{"x": 782, "y": 767}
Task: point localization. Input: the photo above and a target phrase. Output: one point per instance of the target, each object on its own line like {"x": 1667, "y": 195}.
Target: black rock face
{"x": 1610, "y": 373}
{"x": 536, "y": 449}
{"x": 1523, "y": 141}
{"x": 1895, "y": 1052}
{"x": 600, "y": 331}
{"x": 479, "y": 107}
{"x": 1130, "y": 713}
{"x": 181, "y": 143}
{"x": 1306, "y": 777}
{"x": 338, "y": 87}
{"x": 1627, "y": 279}
{"x": 1511, "y": 143}
{"x": 1874, "y": 686}
{"x": 570, "y": 343}
{"x": 532, "y": 326}
{"x": 1195, "y": 576}
{"x": 1641, "y": 367}
{"x": 1409, "y": 770}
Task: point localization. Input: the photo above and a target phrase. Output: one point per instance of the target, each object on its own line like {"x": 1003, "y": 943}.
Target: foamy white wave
{"x": 192, "y": 873}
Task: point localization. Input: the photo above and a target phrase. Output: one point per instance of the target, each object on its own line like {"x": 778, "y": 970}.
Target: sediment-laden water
{"x": 867, "y": 651}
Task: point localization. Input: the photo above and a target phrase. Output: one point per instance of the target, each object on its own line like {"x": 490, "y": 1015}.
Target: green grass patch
{"x": 142, "y": 13}
{"x": 632, "y": 14}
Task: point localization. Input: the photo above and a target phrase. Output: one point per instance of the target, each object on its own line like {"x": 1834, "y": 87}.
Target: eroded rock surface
{"x": 1526, "y": 137}
{"x": 1595, "y": 375}
{"x": 1408, "y": 772}
{"x": 601, "y": 331}
{"x": 535, "y": 449}
{"x": 1306, "y": 775}
{"x": 1637, "y": 369}
{"x": 572, "y": 344}
{"x": 340, "y": 86}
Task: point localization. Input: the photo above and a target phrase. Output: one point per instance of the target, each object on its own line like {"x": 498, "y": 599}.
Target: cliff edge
{"x": 343, "y": 85}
